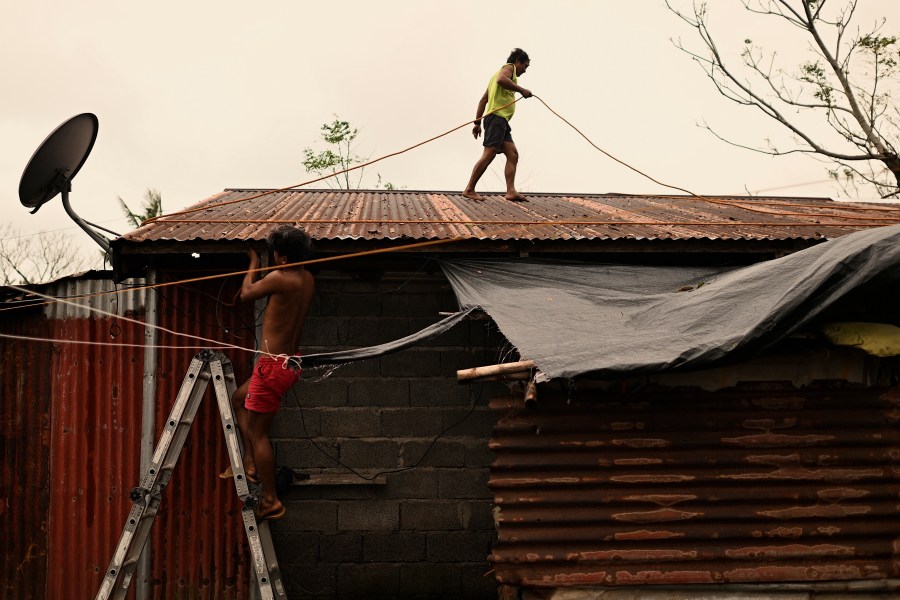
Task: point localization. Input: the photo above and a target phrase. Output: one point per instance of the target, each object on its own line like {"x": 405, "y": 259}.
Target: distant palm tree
{"x": 152, "y": 208}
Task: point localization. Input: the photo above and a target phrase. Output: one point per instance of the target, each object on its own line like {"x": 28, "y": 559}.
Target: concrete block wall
{"x": 424, "y": 528}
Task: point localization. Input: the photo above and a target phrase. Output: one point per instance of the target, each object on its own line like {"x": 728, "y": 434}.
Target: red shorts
{"x": 271, "y": 379}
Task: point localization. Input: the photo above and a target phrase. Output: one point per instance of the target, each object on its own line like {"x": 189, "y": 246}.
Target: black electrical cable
{"x": 473, "y": 404}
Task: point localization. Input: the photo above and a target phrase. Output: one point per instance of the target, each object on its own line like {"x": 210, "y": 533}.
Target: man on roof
{"x": 289, "y": 292}
{"x": 498, "y": 102}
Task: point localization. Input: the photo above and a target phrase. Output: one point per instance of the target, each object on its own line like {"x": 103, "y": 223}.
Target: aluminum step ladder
{"x": 206, "y": 365}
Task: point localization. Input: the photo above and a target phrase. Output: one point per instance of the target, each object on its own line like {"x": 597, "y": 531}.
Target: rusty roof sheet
{"x": 425, "y": 215}
{"x": 761, "y": 483}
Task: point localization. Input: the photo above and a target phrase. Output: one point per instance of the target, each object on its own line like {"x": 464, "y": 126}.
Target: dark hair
{"x": 291, "y": 242}
{"x": 518, "y": 55}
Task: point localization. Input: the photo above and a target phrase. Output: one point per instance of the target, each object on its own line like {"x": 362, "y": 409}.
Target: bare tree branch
{"x": 37, "y": 258}
{"x": 848, "y": 77}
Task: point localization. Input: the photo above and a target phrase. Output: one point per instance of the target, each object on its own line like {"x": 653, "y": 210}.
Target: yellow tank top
{"x": 498, "y": 96}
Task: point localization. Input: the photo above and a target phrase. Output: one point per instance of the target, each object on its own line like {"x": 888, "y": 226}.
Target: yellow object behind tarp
{"x": 878, "y": 339}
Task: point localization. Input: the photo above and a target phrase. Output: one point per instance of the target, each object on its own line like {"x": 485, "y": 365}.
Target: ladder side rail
{"x": 265, "y": 537}
{"x": 262, "y": 551}
{"x": 222, "y": 374}
{"x": 147, "y": 498}
{"x": 186, "y": 393}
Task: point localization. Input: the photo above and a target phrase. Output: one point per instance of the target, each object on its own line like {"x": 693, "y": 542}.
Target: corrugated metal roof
{"x": 423, "y": 215}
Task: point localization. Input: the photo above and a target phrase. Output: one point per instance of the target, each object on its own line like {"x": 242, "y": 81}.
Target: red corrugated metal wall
{"x": 71, "y": 430}
{"x": 96, "y": 429}
{"x": 25, "y": 399}
{"x": 759, "y": 484}
{"x": 199, "y": 547}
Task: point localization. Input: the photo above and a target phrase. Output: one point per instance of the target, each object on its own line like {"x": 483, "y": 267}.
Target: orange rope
{"x": 233, "y": 273}
{"x": 353, "y": 168}
{"x": 621, "y": 162}
{"x": 736, "y": 204}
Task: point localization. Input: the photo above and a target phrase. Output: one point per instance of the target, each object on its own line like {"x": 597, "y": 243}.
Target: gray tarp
{"x": 575, "y": 318}
{"x": 348, "y": 356}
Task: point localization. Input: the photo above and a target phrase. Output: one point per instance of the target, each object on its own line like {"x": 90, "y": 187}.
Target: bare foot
{"x": 228, "y": 474}
{"x": 472, "y": 195}
{"x": 515, "y": 197}
{"x": 271, "y": 512}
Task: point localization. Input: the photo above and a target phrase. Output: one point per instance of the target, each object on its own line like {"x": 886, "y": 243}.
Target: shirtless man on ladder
{"x": 256, "y": 401}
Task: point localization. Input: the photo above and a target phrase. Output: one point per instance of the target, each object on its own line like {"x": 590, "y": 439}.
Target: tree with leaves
{"x": 849, "y": 83}
{"x": 152, "y": 208}
{"x": 338, "y": 157}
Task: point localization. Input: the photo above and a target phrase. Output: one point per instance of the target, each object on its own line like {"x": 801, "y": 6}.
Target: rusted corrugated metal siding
{"x": 71, "y": 415}
{"x": 25, "y": 399}
{"x": 199, "y": 547}
{"x": 71, "y": 429}
{"x": 423, "y": 215}
{"x": 763, "y": 484}
{"x": 96, "y": 427}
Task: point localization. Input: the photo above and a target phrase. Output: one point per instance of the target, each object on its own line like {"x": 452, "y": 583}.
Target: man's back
{"x": 286, "y": 310}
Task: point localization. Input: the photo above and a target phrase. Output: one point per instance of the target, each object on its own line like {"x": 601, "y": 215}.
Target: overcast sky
{"x": 195, "y": 97}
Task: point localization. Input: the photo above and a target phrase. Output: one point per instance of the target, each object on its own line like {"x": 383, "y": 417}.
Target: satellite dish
{"x": 55, "y": 163}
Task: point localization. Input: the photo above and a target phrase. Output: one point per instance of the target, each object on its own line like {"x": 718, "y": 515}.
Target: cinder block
{"x": 439, "y": 391}
{"x": 477, "y": 584}
{"x": 302, "y": 454}
{"x": 340, "y": 548}
{"x": 394, "y": 547}
{"x": 295, "y": 548}
{"x": 353, "y": 492}
{"x": 311, "y": 393}
{"x": 416, "y": 362}
{"x": 320, "y": 578}
{"x": 409, "y": 422}
{"x": 372, "y": 515}
{"x": 295, "y": 423}
{"x": 361, "y": 453}
{"x": 374, "y": 580}
{"x": 373, "y": 331}
{"x": 481, "y": 515}
{"x": 415, "y": 483}
{"x": 440, "y": 453}
{"x": 458, "y": 546}
{"x": 455, "y": 337}
{"x": 454, "y": 360}
{"x": 350, "y": 422}
{"x": 325, "y": 301}
{"x": 361, "y": 368}
{"x": 463, "y": 483}
{"x": 412, "y": 304}
{"x": 379, "y": 391}
{"x": 318, "y": 516}
{"x": 322, "y": 331}
{"x": 424, "y": 580}
{"x": 478, "y": 454}
{"x": 479, "y": 422}
{"x": 449, "y": 303}
{"x": 485, "y": 335}
{"x": 434, "y": 515}
{"x": 358, "y": 305}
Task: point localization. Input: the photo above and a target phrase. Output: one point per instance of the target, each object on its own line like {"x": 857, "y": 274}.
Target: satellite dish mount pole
{"x": 64, "y": 185}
